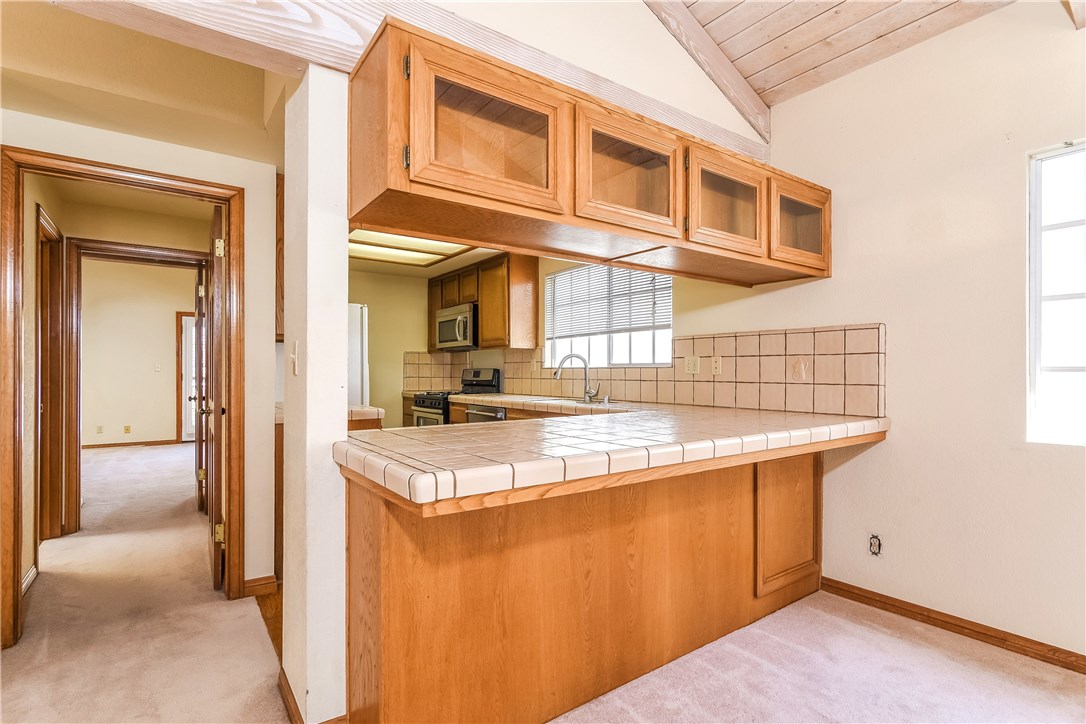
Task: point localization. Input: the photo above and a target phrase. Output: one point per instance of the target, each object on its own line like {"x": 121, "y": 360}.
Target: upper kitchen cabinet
{"x": 483, "y": 130}
{"x": 627, "y": 173}
{"x": 799, "y": 223}
{"x": 449, "y": 143}
{"x": 727, "y": 202}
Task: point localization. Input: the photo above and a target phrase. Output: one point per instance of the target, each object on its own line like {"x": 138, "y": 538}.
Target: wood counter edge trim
{"x": 294, "y": 714}
{"x": 499, "y": 498}
{"x": 1047, "y": 653}
{"x": 261, "y": 586}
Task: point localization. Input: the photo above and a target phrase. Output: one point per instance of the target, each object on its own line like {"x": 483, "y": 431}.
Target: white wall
{"x": 258, "y": 181}
{"x": 621, "y": 41}
{"x": 128, "y": 350}
{"x": 397, "y": 307}
{"x": 926, "y": 153}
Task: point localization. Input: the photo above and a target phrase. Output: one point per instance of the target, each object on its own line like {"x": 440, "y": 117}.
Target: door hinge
{"x": 686, "y": 223}
{"x": 201, "y": 474}
{"x": 200, "y": 291}
{"x": 220, "y": 247}
{"x": 407, "y": 66}
{"x": 407, "y": 157}
{"x": 686, "y": 161}
{"x": 220, "y": 533}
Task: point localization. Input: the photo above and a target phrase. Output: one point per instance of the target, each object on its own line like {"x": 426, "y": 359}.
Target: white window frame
{"x": 549, "y": 363}
{"x": 1035, "y": 431}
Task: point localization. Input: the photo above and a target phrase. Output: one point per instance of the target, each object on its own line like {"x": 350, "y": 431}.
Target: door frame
{"x": 180, "y": 370}
{"x": 14, "y": 164}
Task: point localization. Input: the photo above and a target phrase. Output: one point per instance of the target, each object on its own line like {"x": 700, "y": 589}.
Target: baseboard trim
{"x": 28, "y": 579}
{"x": 136, "y": 443}
{"x": 1003, "y": 639}
{"x": 294, "y": 714}
{"x": 260, "y": 586}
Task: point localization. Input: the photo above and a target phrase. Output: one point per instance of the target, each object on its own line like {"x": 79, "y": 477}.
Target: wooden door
{"x": 469, "y": 286}
{"x": 799, "y": 223}
{"x": 494, "y": 303}
{"x": 727, "y": 202}
{"x": 52, "y": 381}
{"x": 628, "y": 173}
{"x": 214, "y": 412}
{"x": 450, "y": 291}
{"x": 200, "y": 383}
{"x": 487, "y": 131}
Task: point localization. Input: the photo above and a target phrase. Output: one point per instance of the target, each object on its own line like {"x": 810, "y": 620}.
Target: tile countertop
{"x": 427, "y": 464}
{"x": 354, "y": 412}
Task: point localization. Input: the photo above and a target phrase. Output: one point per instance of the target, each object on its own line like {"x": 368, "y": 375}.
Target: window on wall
{"x": 1057, "y": 310}
{"x": 611, "y": 317}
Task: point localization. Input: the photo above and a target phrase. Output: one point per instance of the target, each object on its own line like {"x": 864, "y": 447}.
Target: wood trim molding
{"x": 294, "y": 715}
{"x": 285, "y": 36}
{"x": 261, "y": 586}
{"x": 1005, "y": 640}
{"x": 139, "y": 253}
{"x": 1077, "y": 10}
{"x": 179, "y": 371}
{"x": 682, "y": 24}
{"x": 14, "y": 164}
{"x": 136, "y": 443}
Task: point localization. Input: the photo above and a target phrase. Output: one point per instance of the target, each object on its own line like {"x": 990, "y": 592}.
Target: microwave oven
{"x": 456, "y": 327}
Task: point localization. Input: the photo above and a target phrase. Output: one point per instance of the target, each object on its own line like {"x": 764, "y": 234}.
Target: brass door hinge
{"x": 200, "y": 291}
{"x": 407, "y": 66}
{"x": 220, "y": 247}
{"x": 220, "y": 533}
{"x": 686, "y": 161}
{"x": 407, "y": 157}
{"x": 201, "y": 474}
{"x": 686, "y": 223}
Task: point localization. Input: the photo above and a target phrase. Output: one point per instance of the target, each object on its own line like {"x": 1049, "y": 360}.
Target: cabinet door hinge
{"x": 220, "y": 533}
{"x": 407, "y": 66}
{"x": 220, "y": 247}
{"x": 686, "y": 223}
{"x": 686, "y": 161}
{"x": 407, "y": 157}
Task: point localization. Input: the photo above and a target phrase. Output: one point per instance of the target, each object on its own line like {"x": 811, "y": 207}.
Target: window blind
{"x": 596, "y": 299}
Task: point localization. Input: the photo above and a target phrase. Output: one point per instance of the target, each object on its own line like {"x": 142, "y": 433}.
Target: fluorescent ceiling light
{"x": 410, "y": 243}
{"x": 396, "y": 256}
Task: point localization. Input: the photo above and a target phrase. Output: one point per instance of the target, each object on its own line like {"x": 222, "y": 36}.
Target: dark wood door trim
{"x": 50, "y": 330}
{"x": 180, "y": 372}
{"x": 14, "y": 164}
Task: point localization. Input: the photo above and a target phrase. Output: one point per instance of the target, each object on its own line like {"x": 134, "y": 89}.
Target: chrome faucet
{"x": 589, "y": 393}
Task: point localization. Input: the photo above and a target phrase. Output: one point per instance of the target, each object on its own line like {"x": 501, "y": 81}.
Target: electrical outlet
{"x": 100, "y": 430}
{"x": 158, "y": 367}
{"x": 718, "y": 365}
{"x": 692, "y": 365}
{"x": 874, "y": 545}
{"x": 127, "y": 429}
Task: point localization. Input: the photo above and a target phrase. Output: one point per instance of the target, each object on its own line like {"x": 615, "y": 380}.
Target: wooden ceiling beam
{"x": 284, "y": 36}
{"x": 1077, "y": 10}
{"x": 692, "y": 36}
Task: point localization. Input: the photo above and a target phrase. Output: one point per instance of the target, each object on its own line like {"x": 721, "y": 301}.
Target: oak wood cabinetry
{"x": 458, "y": 413}
{"x": 458, "y": 616}
{"x": 448, "y": 143}
{"x": 504, "y": 287}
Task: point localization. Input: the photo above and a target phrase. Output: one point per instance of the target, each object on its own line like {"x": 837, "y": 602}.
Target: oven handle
{"x": 483, "y": 414}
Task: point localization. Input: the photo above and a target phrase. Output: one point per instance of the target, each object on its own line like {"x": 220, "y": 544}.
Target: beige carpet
{"x": 122, "y": 623}
{"x": 828, "y": 659}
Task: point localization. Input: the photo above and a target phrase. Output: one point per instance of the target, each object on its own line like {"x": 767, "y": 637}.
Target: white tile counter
{"x": 428, "y": 464}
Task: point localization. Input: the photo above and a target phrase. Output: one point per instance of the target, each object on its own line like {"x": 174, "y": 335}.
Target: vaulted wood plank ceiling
{"x": 785, "y": 48}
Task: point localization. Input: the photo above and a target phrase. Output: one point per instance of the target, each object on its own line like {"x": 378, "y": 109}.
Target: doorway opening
{"x": 41, "y": 493}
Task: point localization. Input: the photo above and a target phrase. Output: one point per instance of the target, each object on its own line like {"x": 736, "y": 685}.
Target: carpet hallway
{"x": 122, "y": 624}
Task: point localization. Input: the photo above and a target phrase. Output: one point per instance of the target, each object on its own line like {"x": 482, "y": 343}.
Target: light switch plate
{"x": 692, "y": 365}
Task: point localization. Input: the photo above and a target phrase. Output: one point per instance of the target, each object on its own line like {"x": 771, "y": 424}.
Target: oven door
{"x": 424, "y": 418}
{"x": 483, "y": 413}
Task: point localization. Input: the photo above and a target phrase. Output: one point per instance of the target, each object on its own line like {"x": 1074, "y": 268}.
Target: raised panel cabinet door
{"x": 494, "y": 304}
{"x": 485, "y": 130}
{"x": 469, "y": 286}
{"x": 727, "y": 202}
{"x": 628, "y": 172}
{"x": 788, "y": 521}
{"x": 450, "y": 291}
{"x": 799, "y": 223}
{"x": 433, "y": 303}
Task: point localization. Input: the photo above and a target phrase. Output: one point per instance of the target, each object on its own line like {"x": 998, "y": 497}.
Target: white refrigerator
{"x": 358, "y": 355}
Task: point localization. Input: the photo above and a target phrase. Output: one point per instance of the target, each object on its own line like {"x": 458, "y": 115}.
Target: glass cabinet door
{"x": 799, "y": 223}
{"x": 627, "y": 173}
{"x": 486, "y": 131}
{"x": 727, "y": 202}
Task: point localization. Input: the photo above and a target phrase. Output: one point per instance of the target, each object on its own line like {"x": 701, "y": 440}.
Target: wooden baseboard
{"x": 1003, "y": 639}
{"x": 294, "y": 714}
{"x": 136, "y": 443}
{"x": 28, "y": 579}
{"x": 260, "y": 586}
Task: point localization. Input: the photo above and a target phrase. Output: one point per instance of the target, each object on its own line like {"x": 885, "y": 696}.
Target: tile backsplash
{"x": 837, "y": 370}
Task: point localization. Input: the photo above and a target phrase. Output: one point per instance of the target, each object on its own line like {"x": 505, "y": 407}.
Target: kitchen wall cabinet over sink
{"x": 446, "y": 142}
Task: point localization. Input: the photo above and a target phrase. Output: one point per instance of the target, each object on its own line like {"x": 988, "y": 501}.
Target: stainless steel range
{"x": 432, "y": 408}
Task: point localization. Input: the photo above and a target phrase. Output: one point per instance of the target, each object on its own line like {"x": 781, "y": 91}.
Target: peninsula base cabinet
{"x": 524, "y": 611}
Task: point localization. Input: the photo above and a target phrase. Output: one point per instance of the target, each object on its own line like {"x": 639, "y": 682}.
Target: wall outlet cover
{"x": 127, "y": 429}
{"x": 692, "y": 365}
{"x": 718, "y": 365}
